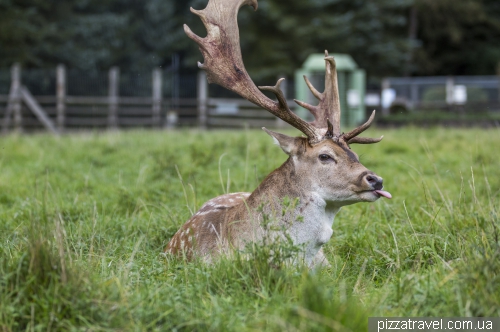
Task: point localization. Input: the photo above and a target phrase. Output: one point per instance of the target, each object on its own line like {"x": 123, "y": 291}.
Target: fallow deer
{"x": 321, "y": 172}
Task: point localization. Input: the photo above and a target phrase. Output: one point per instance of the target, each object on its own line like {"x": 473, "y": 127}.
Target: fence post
{"x": 498, "y": 77}
{"x": 114, "y": 78}
{"x": 386, "y": 85}
{"x": 450, "y": 86}
{"x": 61, "y": 96}
{"x": 157, "y": 96}
{"x": 413, "y": 94}
{"x": 202, "y": 99}
{"x": 14, "y": 101}
{"x": 16, "y": 96}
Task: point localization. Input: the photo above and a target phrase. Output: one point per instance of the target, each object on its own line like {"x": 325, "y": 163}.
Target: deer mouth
{"x": 383, "y": 193}
{"x": 372, "y": 195}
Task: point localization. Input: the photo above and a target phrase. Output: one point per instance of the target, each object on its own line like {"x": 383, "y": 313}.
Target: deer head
{"x": 330, "y": 170}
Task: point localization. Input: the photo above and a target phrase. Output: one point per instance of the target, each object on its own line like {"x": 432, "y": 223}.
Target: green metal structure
{"x": 351, "y": 80}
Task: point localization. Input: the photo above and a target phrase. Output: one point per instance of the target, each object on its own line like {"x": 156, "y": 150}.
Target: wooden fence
{"x": 19, "y": 110}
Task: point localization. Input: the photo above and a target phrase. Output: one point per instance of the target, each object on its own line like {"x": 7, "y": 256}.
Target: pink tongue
{"x": 386, "y": 194}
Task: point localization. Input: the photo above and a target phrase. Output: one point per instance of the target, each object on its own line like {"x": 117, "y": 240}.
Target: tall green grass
{"x": 84, "y": 220}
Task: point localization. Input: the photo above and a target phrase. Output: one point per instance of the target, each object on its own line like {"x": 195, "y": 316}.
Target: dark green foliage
{"x": 91, "y": 35}
{"x": 457, "y": 37}
{"x": 451, "y": 37}
{"x": 372, "y": 32}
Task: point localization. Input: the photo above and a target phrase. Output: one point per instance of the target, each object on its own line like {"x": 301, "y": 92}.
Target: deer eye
{"x": 325, "y": 157}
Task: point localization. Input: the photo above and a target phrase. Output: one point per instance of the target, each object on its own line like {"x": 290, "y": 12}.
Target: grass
{"x": 84, "y": 219}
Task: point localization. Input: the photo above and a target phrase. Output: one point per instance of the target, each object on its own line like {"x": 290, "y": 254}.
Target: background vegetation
{"x": 386, "y": 37}
{"x": 84, "y": 219}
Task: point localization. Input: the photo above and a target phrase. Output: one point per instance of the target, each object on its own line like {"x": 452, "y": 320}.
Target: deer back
{"x": 206, "y": 232}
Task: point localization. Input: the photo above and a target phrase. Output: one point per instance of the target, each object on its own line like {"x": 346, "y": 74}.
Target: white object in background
{"x": 352, "y": 98}
{"x": 388, "y": 96}
{"x": 460, "y": 94}
{"x": 372, "y": 99}
{"x": 172, "y": 119}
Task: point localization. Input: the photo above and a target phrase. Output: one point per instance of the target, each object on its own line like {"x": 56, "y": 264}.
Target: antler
{"x": 351, "y": 137}
{"x": 328, "y": 108}
{"x": 224, "y": 66}
{"x": 327, "y": 112}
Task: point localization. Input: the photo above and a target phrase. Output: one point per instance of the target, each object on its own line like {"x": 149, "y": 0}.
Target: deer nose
{"x": 376, "y": 182}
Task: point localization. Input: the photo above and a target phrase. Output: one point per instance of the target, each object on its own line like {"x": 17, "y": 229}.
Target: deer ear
{"x": 286, "y": 143}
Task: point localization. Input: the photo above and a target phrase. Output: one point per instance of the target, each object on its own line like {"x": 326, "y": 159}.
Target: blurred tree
{"x": 280, "y": 36}
{"x": 386, "y": 37}
{"x": 40, "y": 33}
{"x": 25, "y": 25}
{"x": 457, "y": 37}
{"x": 91, "y": 34}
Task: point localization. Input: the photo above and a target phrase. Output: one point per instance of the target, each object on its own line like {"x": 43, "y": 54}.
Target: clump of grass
{"x": 41, "y": 289}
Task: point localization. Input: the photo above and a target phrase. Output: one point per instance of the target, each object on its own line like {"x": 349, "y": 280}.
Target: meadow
{"x": 84, "y": 219}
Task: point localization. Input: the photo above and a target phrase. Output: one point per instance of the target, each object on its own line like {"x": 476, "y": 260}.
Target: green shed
{"x": 351, "y": 80}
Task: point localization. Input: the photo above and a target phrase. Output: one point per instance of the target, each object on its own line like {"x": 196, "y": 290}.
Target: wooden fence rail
{"x": 19, "y": 110}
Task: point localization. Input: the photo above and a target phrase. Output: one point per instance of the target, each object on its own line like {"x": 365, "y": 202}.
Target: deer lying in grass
{"x": 322, "y": 172}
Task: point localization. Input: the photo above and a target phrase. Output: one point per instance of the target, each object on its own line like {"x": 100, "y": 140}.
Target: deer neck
{"x": 310, "y": 221}
{"x": 286, "y": 182}
{"x": 282, "y": 182}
